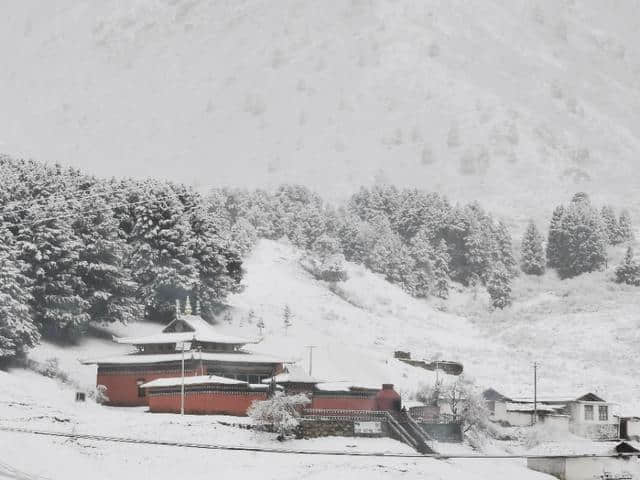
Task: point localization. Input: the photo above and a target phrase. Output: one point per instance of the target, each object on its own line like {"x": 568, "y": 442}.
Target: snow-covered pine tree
{"x": 216, "y": 258}
{"x": 629, "y": 270}
{"x": 17, "y": 330}
{"x": 109, "y": 288}
{"x": 260, "y": 325}
{"x": 161, "y": 262}
{"x": 287, "y": 318}
{"x": 532, "y": 259}
{"x": 504, "y": 248}
{"x": 423, "y": 269}
{"x": 441, "y": 279}
{"x": 499, "y": 287}
{"x": 584, "y": 240}
{"x": 611, "y": 224}
{"x": 625, "y": 228}
{"x": 51, "y": 251}
{"x": 556, "y": 243}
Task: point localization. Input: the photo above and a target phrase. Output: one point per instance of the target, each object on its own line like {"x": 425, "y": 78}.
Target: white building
{"x": 588, "y": 415}
{"x": 587, "y": 460}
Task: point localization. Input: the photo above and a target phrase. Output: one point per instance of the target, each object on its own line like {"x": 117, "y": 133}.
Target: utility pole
{"x": 182, "y": 385}
{"x": 535, "y": 392}
{"x": 311, "y": 347}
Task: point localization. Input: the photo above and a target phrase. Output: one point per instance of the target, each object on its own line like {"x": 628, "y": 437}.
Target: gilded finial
{"x": 187, "y": 306}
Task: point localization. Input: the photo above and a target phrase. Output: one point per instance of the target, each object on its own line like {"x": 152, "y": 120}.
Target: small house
{"x": 589, "y": 415}
{"x": 587, "y": 460}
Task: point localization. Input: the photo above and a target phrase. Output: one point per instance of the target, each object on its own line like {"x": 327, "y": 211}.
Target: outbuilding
{"x": 204, "y": 394}
{"x": 587, "y": 460}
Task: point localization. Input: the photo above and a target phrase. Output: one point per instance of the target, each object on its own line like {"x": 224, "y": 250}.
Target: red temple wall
{"x": 337, "y": 402}
{"x": 122, "y": 388}
{"x": 212, "y": 403}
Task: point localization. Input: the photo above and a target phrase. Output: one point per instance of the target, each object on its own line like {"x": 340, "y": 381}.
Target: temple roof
{"x": 132, "y": 359}
{"x": 293, "y": 375}
{"x": 198, "y": 380}
{"x": 187, "y": 328}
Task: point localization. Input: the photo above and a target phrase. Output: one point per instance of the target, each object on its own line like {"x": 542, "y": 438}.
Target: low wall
{"x": 314, "y": 428}
{"x": 443, "y": 432}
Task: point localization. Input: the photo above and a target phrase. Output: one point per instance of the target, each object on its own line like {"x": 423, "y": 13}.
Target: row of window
{"x": 603, "y": 412}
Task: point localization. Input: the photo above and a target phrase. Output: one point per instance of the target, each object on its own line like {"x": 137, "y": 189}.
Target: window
{"x": 141, "y": 391}
{"x": 603, "y": 413}
{"x": 588, "y": 412}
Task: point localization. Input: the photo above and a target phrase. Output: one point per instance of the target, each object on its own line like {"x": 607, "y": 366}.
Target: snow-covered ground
{"x": 355, "y": 328}
{"x": 29, "y": 400}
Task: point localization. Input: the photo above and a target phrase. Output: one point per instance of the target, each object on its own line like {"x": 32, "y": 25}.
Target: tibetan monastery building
{"x": 208, "y": 353}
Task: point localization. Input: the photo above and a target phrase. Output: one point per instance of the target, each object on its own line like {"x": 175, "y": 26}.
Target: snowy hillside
{"x": 357, "y": 326}
{"x": 514, "y": 102}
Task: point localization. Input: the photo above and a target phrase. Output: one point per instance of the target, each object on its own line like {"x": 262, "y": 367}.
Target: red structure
{"x": 336, "y": 396}
{"x": 204, "y": 395}
{"x": 160, "y": 356}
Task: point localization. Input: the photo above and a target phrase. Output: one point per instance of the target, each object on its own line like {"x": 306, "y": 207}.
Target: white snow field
{"x": 513, "y": 102}
{"x": 355, "y": 332}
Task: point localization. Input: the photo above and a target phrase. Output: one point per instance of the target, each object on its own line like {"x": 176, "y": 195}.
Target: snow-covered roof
{"x": 141, "y": 358}
{"x": 529, "y": 407}
{"x": 555, "y": 398}
{"x": 197, "y": 380}
{"x": 343, "y": 387}
{"x": 575, "y": 447}
{"x": 412, "y": 404}
{"x": 197, "y": 329}
{"x": 293, "y": 375}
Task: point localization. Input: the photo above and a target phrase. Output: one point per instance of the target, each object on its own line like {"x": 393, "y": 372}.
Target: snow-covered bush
{"x": 99, "y": 394}
{"x": 281, "y": 412}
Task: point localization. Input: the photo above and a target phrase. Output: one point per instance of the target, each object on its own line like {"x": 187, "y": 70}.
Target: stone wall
{"x": 314, "y": 428}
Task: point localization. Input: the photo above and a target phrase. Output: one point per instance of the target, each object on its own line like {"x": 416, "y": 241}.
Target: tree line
{"x": 577, "y": 241}
{"x": 76, "y": 249}
{"x": 416, "y": 239}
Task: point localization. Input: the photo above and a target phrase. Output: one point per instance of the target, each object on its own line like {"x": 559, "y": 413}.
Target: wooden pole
{"x": 535, "y": 392}
{"x": 182, "y": 385}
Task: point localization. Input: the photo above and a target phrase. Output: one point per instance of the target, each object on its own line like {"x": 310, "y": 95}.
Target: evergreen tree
{"x": 51, "y": 252}
{"x": 260, "y": 326}
{"x": 504, "y": 248}
{"x": 629, "y": 270}
{"x": 17, "y": 330}
{"x": 625, "y": 229}
{"x": 162, "y": 263}
{"x": 109, "y": 288}
{"x": 441, "y": 271}
{"x": 287, "y": 317}
{"x": 584, "y": 240}
{"x": 215, "y": 258}
{"x": 556, "y": 247}
{"x": 532, "y": 261}
{"x": 499, "y": 287}
{"x": 611, "y": 224}
{"x": 422, "y": 253}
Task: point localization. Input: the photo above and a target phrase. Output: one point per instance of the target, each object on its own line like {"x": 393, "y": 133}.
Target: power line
{"x": 209, "y": 446}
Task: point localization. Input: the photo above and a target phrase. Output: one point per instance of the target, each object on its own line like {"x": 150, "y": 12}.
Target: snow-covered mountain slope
{"x": 518, "y": 103}
{"x": 583, "y": 332}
